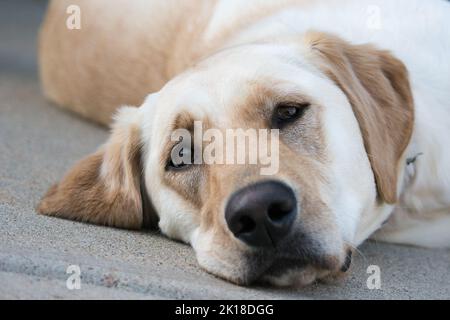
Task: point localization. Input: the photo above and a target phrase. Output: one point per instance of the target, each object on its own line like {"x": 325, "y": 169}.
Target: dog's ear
{"x": 106, "y": 187}
{"x": 377, "y": 87}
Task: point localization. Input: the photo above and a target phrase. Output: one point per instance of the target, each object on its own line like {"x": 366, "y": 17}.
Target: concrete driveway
{"x": 39, "y": 142}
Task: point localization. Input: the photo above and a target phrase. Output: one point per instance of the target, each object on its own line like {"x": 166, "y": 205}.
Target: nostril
{"x": 246, "y": 224}
{"x": 278, "y": 211}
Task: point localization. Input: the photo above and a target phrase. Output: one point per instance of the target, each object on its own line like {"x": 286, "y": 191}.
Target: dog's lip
{"x": 259, "y": 272}
{"x": 283, "y": 265}
{"x": 348, "y": 261}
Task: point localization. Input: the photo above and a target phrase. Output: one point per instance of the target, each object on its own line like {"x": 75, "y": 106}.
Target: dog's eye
{"x": 288, "y": 112}
{"x": 180, "y": 157}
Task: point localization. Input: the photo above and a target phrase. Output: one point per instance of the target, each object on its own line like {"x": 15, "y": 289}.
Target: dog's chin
{"x": 281, "y": 273}
{"x": 278, "y": 267}
{"x": 297, "y": 277}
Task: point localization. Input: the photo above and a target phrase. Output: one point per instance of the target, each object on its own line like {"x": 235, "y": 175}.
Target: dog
{"x": 358, "y": 91}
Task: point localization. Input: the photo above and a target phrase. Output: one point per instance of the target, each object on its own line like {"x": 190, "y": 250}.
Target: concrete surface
{"x": 38, "y": 142}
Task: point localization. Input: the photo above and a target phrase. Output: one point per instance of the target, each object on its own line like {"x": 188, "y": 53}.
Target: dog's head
{"x": 343, "y": 116}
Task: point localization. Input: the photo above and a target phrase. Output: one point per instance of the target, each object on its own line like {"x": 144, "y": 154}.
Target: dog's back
{"x": 126, "y": 49}
{"x": 113, "y": 59}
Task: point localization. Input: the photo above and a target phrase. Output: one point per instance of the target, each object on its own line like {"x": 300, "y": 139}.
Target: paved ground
{"x": 38, "y": 142}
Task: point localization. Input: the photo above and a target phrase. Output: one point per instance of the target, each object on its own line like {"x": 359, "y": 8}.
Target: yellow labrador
{"x": 357, "y": 92}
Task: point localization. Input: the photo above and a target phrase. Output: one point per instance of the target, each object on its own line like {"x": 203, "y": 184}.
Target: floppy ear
{"x": 377, "y": 86}
{"x": 106, "y": 187}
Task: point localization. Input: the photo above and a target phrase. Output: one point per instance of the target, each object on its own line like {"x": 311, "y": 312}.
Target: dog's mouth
{"x": 298, "y": 261}
{"x": 299, "y": 273}
{"x": 286, "y": 272}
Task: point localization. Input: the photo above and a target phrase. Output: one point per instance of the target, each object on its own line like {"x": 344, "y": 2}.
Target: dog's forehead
{"x": 216, "y": 86}
{"x": 221, "y": 89}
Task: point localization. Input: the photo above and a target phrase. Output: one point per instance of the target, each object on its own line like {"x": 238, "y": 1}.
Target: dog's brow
{"x": 262, "y": 96}
{"x": 184, "y": 120}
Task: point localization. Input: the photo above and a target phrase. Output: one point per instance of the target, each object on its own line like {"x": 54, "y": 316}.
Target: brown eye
{"x": 288, "y": 112}
{"x": 181, "y": 157}
{"x": 178, "y": 162}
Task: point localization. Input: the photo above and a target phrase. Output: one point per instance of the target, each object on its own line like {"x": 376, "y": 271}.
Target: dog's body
{"x": 398, "y": 174}
{"x": 152, "y": 40}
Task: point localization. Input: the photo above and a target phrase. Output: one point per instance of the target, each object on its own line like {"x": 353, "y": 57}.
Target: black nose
{"x": 261, "y": 214}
